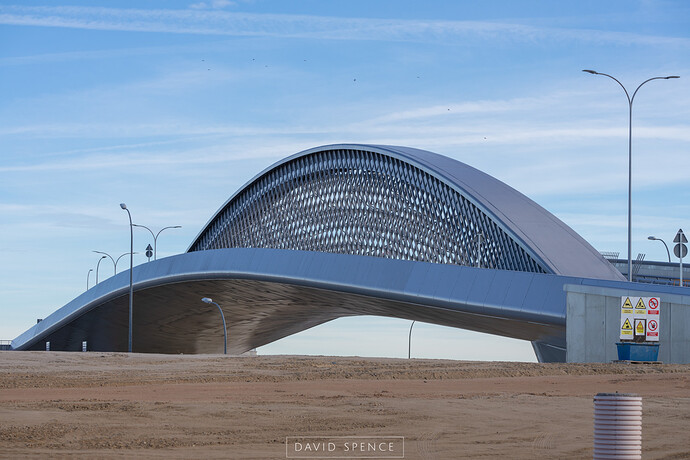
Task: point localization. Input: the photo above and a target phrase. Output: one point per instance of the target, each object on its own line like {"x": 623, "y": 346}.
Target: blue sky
{"x": 170, "y": 106}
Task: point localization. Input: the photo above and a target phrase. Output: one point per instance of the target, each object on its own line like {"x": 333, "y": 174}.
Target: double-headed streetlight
{"x": 630, "y": 105}
{"x": 131, "y": 285}
{"x": 155, "y": 237}
{"x": 654, "y": 238}
{"x": 222, "y": 316}
{"x": 115, "y": 261}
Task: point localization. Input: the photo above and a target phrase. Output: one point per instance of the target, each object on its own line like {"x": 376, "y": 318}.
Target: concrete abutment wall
{"x": 593, "y": 323}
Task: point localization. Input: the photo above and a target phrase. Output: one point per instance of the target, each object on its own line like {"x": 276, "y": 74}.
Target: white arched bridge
{"x": 345, "y": 230}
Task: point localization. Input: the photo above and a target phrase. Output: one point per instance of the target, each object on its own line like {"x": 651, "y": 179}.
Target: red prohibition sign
{"x": 653, "y": 303}
{"x": 652, "y": 325}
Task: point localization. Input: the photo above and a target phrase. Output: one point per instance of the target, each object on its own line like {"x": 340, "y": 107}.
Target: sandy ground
{"x": 109, "y": 405}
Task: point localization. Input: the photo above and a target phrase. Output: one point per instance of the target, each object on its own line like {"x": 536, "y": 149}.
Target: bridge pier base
{"x": 548, "y": 353}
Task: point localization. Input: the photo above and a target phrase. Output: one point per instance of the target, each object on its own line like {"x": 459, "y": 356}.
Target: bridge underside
{"x": 270, "y": 294}
{"x": 171, "y": 318}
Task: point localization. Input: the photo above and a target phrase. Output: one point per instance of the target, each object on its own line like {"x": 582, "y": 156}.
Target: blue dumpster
{"x": 631, "y": 351}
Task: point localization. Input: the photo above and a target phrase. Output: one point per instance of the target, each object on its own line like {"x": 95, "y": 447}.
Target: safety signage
{"x": 626, "y": 329}
{"x": 640, "y": 308}
{"x": 627, "y": 315}
{"x": 626, "y": 306}
{"x": 680, "y": 250}
{"x": 652, "y": 330}
{"x": 653, "y": 306}
{"x": 640, "y": 318}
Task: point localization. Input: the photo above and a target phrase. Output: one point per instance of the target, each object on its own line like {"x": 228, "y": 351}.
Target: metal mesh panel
{"x": 363, "y": 203}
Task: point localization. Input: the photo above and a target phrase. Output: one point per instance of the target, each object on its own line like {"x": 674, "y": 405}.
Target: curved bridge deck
{"x": 267, "y": 294}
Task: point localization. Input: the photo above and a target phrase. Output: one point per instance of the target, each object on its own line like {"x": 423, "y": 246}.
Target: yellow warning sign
{"x": 640, "y": 307}
{"x": 639, "y": 327}
{"x": 627, "y": 306}
{"x": 626, "y": 326}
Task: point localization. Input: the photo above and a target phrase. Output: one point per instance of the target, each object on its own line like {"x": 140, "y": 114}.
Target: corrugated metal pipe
{"x": 617, "y": 426}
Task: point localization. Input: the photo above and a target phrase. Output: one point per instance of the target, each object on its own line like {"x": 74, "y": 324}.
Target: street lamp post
{"x": 87, "y": 278}
{"x": 654, "y": 238}
{"x": 131, "y": 266}
{"x": 222, "y": 316}
{"x": 98, "y": 265}
{"x": 155, "y": 237}
{"x": 630, "y": 105}
{"x": 121, "y": 256}
{"x": 111, "y": 258}
{"x": 115, "y": 261}
{"x": 409, "y": 341}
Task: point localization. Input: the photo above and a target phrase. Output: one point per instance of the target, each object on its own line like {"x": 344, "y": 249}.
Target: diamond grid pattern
{"x": 363, "y": 203}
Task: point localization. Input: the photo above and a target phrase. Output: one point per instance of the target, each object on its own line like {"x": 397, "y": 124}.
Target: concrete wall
{"x": 593, "y": 323}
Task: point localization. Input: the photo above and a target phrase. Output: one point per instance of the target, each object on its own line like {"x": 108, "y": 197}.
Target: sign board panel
{"x": 680, "y": 251}
{"x": 637, "y": 314}
{"x": 626, "y": 331}
{"x": 640, "y": 307}
{"x": 653, "y": 306}
{"x": 652, "y": 330}
{"x": 626, "y": 305}
{"x": 680, "y": 237}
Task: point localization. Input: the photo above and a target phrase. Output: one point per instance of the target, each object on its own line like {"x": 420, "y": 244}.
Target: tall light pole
{"x": 654, "y": 238}
{"x": 131, "y": 266}
{"x": 97, "y": 265}
{"x": 409, "y": 341}
{"x": 155, "y": 237}
{"x": 222, "y": 316}
{"x": 87, "y": 278}
{"x": 630, "y": 105}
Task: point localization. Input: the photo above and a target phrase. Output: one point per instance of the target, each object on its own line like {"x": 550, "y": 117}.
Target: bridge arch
{"x": 399, "y": 203}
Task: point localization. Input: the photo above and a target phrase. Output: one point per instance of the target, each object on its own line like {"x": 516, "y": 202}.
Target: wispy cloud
{"x": 215, "y": 22}
{"x": 474, "y": 124}
{"x": 103, "y": 53}
{"x": 514, "y": 120}
{"x": 213, "y": 4}
{"x": 124, "y": 160}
